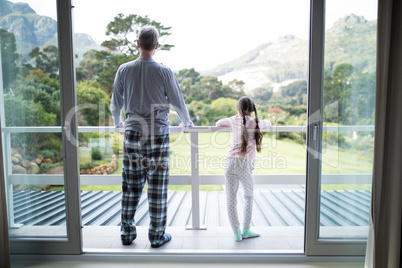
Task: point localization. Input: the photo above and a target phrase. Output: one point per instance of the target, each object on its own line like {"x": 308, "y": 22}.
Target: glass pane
{"x": 259, "y": 49}
{"x": 348, "y": 135}
{"x": 30, "y": 118}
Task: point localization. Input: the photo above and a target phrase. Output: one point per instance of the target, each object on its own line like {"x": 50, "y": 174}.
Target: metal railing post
{"x": 195, "y": 185}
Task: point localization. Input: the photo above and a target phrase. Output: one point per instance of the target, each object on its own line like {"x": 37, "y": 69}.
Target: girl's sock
{"x": 247, "y": 233}
{"x": 237, "y": 236}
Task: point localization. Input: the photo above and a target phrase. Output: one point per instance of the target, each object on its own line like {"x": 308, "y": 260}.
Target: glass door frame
{"x": 73, "y": 243}
{"x": 313, "y": 244}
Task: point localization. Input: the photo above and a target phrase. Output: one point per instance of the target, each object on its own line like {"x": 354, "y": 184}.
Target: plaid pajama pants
{"x": 146, "y": 159}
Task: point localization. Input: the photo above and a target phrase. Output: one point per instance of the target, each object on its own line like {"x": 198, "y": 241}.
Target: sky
{"x": 207, "y": 33}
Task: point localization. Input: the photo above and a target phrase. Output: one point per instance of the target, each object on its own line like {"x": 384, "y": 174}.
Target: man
{"x": 146, "y": 89}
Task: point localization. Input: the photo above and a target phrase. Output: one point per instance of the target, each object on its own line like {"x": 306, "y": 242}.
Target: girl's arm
{"x": 225, "y": 122}
{"x": 264, "y": 123}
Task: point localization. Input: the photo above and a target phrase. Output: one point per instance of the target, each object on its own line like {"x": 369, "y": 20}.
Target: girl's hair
{"x": 246, "y": 107}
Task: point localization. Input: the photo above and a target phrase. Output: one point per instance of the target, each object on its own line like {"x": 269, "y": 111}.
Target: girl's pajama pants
{"x": 239, "y": 170}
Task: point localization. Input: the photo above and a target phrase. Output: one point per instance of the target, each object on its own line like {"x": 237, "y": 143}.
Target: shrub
{"x": 47, "y": 154}
{"x": 334, "y": 138}
{"x": 96, "y": 153}
{"x": 116, "y": 143}
{"x": 84, "y": 156}
{"x": 47, "y": 166}
{"x": 54, "y": 144}
{"x": 87, "y": 165}
{"x": 365, "y": 143}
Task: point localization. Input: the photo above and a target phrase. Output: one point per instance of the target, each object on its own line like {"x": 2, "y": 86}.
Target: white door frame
{"x": 73, "y": 243}
{"x": 313, "y": 244}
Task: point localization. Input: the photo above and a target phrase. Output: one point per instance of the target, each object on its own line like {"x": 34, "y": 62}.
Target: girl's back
{"x": 235, "y": 123}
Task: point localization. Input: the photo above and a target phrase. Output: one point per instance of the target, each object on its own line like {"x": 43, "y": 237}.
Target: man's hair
{"x": 148, "y": 37}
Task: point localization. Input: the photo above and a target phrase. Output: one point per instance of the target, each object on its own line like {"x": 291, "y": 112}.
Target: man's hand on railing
{"x": 120, "y": 125}
{"x": 185, "y": 128}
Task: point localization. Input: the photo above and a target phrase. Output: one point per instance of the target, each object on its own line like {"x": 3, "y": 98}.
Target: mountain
{"x": 351, "y": 39}
{"x": 32, "y": 30}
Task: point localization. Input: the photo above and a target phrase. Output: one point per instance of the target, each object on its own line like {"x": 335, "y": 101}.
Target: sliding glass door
{"x": 37, "y": 125}
{"x": 342, "y": 101}
{"x": 40, "y": 141}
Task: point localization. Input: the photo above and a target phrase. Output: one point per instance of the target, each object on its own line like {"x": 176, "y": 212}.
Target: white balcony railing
{"x": 195, "y": 179}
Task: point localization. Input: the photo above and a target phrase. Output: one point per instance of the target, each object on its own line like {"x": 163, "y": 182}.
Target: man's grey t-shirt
{"x": 146, "y": 88}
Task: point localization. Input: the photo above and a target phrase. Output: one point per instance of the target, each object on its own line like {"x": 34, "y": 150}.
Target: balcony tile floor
{"x": 272, "y": 239}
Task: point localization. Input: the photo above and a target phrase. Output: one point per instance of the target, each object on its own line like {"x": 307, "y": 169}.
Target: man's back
{"x": 147, "y": 88}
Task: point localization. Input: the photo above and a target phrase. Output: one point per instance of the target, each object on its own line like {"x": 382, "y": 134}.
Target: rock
{"x": 19, "y": 187}
{"x": 34, "y": 169}
{"x": 25, "y": 163}
{"x": 15, "y": 160}
{"x": 39, "y": 159}
{"x": 18, "y": 156}
{"x": 17, "y": 169}
{"x": 55, "y": 170}
{"x": 45, "y": 187}
{"x": 47, "y": 160}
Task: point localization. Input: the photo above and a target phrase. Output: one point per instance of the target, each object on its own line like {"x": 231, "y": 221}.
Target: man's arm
{"x": 175, "y": 97}
{"x": 117, "y": 101}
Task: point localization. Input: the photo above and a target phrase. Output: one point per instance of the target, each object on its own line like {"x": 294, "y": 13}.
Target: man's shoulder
{"x": 127, "y": 65}
{"x": 151, "y": 66}
{"x": 163, "y": 67}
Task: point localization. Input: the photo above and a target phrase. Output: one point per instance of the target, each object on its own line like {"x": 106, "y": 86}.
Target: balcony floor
{"x": 277, "y": 214}
{"x": 277, "y": 239}
{"x": 281, "y": 207}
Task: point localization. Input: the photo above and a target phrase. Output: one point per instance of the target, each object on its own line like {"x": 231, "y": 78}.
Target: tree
{"x": 187, "y": 78}
{"x": 363, "y": 98}
{"x": 219, "y": 108}
{"x": 296, "y": 88}
{"x": 337, "y": 90}
{"x": 188, "y": 73}
{"x": 9, "y": 57}
{"x": 209, "y": 87}
{"x": 42, "y": 90}
{"x": 122, "y": 46}
{"x": 46, "y": 60}
{"x": 223, "y": 107}
{"x": 237, "y": 88}
{"x": 90, "y": 65}
{"x": 262, "y": 94}
{"x": 89, "y": 93}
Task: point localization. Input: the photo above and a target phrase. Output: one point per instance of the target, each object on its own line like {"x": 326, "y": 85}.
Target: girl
{"x": 247, "y": 138}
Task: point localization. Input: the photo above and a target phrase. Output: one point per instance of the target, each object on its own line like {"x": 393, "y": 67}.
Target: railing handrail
{"x": 194, "y": 179}
{"x": 173, "y": 129}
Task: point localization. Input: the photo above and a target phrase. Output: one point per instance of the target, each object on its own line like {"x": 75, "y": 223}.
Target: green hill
{"x": 351, "y": 39}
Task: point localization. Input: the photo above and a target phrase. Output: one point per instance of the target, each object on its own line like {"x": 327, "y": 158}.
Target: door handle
{"x": 67, "y": 131}
{"x": 316, "y": 138}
